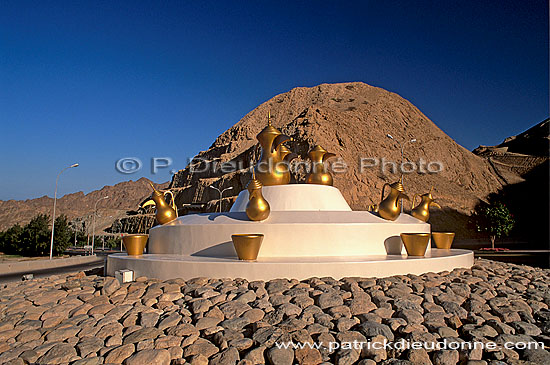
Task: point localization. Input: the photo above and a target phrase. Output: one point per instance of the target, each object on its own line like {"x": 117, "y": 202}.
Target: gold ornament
{"x": 257, "y": 208}
{"x": 422, "y": 210}
{"x": 390, "y": 207}
{"x": 135, "y": 243}
{"x": 443, "y": 240}
{"x": 272, "y": 169}
{"x": 319, "y": 173}
{"x": 247, "y": 245}
{"x": 415, "y": 243}
{"x": 164, "y": 212}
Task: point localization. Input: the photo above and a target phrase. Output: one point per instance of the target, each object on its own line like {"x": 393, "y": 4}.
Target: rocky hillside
{"x": 524, "y": 158}
{"x": 520, "y": 154}
{"x": 351, "y": 120}
{"x": 123, "y": 196}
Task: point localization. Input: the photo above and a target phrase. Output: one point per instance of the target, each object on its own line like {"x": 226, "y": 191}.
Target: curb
{"x": 24, "y": 267}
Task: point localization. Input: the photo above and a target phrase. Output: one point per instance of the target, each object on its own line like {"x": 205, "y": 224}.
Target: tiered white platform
{"x": 310, "y": 232}
{"x": 187, "y": 267}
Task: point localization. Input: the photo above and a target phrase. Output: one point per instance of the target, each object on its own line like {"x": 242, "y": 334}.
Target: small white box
{"x": 124, "y": 276}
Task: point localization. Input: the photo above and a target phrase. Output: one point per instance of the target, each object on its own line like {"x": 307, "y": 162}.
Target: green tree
{"x": 10, "y": 240}
{"x": 62, "y": 235}
{"x": 35, "y": 238}
{"x": 113, "y": 242}
{"x": 493, "y": 219}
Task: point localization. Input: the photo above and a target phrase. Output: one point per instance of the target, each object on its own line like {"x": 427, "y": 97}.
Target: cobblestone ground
{"x": 79, "y": 319}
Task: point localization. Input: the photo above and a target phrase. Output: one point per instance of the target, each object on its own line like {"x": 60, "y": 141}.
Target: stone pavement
{"x": 79, "y": 319}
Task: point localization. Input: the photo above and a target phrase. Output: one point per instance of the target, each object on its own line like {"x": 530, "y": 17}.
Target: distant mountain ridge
{"x": 122, "y": 197}
{"x": 519, "y": 154}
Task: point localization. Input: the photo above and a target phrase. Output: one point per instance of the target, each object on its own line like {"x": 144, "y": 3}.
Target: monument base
{"x": 165, "y": 267}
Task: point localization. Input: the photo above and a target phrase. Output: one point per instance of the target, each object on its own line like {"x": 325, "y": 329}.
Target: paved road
{"x": 48, "y": 272}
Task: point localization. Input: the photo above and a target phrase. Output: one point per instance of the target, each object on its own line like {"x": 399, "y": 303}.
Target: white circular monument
{"x": 310, "y": 232}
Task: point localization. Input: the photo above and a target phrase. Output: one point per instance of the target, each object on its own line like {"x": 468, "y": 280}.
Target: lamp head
{"x": 74, "y": 165}
{"x": 389, "y": 136}
{"x": 413, "y": 140}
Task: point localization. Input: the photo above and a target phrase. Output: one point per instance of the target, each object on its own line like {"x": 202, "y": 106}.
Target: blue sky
{"x": 92, "y": 82}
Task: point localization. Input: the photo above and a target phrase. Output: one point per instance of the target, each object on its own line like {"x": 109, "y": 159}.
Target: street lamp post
{"x": 93, "y": 221}
{"x": 103, "y": 239}
{"x": 402, "y": 145}
{"x": 54, "y": 202}
{"x": 221, "y": 195}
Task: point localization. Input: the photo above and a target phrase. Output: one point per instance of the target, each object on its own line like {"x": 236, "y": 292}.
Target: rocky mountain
{"x": 123, "y": 196}
{"x": 519, "y": 154}
{"x": 524, "y": 157}
{"x": 351, "y": 120}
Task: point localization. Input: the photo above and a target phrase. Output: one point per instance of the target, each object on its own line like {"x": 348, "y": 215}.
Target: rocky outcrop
{"x": 122, "y": 197}
{"x": 521, "y": 154}
{"x": 351, "y": 120}
{"x": 522, "y": 163}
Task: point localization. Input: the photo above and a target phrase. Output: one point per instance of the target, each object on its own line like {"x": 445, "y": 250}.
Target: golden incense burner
{"x": 422, "y": 210}
{"x": 319, "y": 173}
{"x": 443, "y": 240}
{"x": 390, "y": 207}
{"x": 164, "y": 212}
{"x": 257, "y": 208}
{"x": 415, "y": 243}
{"x": 135, "y": 243}
{"x": 272, "y": 169}
{"x": 247, "y": 245}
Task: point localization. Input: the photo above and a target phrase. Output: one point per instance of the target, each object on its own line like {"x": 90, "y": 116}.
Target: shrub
{"x": 35, "y": 237}
{"x": 10, "y": 240}
{"x": 494, "y": 219}
{"x": 62, "y": 235}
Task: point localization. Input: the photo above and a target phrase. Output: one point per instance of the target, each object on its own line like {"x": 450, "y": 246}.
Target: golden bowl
{"x": 415, "y": 243}
{"x": 135, "y": 243}
{"x": 443, "y": 240}
{"x": 247, "y": 245}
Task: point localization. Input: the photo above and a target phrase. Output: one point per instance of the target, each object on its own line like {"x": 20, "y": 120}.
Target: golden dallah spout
{"x": 164, "y": 212}
{"x": 285, "y": 154}
{"x": 272, "y": 169}
{"x": 390, "y": 207}
{"x": 422, "y": 210}
{"x": 319, "y": 173}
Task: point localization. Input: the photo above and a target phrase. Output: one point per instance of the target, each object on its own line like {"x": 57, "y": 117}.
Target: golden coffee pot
{"x": 285, "y": 154}
{"x": 257, "y": 208}
{"x": 390, "y": 207}
{"x": 164, "y": 212}
{"x": 272, "y": 169}
{"x": 422, "y": 210}
{"x": 319, "y": 173}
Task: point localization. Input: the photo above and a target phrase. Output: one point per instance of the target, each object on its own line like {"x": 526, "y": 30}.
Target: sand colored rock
{"x": 352, "y": 121}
